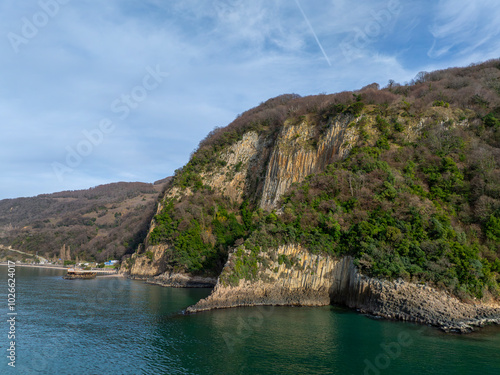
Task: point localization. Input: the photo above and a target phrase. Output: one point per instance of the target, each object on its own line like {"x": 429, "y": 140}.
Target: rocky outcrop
{"x": 182, "y": 280}
{"x": 263, "y": 167}
{"x": 306, "y": 283}
{"x": 293, "y": 276}
{"x": 237, "y": 162}
{"x": 149, "y": 264}
{"x": 401, "y": 300}
{"x": 299, "y": 152}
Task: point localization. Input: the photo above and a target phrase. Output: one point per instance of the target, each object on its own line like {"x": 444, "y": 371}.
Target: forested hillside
{"x": 101, "y": 223}
{"x": 410, "y": 189}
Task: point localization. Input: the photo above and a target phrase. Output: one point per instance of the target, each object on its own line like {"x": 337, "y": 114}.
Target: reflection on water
{"x": 119, "y": 326}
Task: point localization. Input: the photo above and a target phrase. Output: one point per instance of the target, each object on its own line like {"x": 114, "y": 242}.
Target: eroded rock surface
{"x": 292, "y": 276}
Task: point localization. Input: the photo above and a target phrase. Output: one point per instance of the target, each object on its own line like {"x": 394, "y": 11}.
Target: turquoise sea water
{"x": 119, "y": 326}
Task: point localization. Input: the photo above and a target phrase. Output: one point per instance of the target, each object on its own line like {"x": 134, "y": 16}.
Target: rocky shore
{"x": 400, "y": 300}
{"x": 316, "y": 280}
{"x": 175, "y": 280}
{"x": 179, "y": 280}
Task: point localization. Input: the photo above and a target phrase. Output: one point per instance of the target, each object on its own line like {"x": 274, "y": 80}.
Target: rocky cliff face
{"x": 262, "y": 166}
{"x": 291, "y": 275}
{"x": 240, "y": 162}
{"x": 266, "y": 166}
{"x": 259, "y": 156}
{"x": 150, "y": 264}
{"x": 296, "y": 155}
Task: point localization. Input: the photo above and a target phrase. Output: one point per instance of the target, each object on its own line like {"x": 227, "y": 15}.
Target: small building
{"x": 111, "y": 262}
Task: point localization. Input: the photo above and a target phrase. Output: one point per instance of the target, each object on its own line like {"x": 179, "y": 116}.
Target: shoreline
{"x": 63, "y": 268}
{"x": 320, "y": 281}
{"x": 55, "y": 267}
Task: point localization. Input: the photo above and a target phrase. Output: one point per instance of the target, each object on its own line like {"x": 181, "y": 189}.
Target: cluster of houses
{"x": 95, "y": 265}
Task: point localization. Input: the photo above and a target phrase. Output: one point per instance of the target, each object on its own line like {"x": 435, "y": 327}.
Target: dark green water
{"x": 117, "y": 326}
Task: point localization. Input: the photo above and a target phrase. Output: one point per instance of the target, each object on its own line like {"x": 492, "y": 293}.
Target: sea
{"x": 112, "y": 325}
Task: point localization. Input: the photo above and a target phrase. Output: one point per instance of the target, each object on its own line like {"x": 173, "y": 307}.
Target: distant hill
{"x": 100, "y": 223}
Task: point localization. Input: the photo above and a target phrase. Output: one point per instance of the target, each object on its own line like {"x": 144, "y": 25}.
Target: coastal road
{"x": 41, "y": 259}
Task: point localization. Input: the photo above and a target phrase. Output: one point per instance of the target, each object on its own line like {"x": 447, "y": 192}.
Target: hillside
{"x": 404, "y": 180}
{"x": 97, "y": 224}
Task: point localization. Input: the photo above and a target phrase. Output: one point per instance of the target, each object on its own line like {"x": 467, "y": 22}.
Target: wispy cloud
{"x": 462, "y": 27}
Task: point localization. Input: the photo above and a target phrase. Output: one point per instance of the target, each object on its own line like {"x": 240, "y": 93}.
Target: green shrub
{"x": 440, "y": 103}
{"x": 492, "y": 228}
{"x": 355, "y": 109}
{"x": 491, "y": 121}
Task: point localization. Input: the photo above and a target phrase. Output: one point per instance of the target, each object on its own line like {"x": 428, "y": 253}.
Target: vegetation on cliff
{"x": 201, "y": 227}
{"x": 426, "y": 210}
{"x": 418, "y": 196}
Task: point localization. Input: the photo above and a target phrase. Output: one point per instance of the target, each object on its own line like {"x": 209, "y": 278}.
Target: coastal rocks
{"x": 276, "y": 284}
{"x": 405, "y": 301}
{"x": 292, "y": 276}
{"x": 149, "y": 264}
{"x": 181, "y": 280}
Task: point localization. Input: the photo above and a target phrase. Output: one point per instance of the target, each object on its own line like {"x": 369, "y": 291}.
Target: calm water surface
{"x": 119, "y": 326}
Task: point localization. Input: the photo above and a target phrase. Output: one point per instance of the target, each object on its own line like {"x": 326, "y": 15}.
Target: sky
{"x": 124, "y": 90}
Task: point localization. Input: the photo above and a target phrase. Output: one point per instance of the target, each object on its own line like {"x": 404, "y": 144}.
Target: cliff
{"x": 282, "y": 159}
{"x": 401, "y": 182}
{"x": 292, "y": 276}
{"x": 150, "y": 264}
{"x": 296, "y": 155}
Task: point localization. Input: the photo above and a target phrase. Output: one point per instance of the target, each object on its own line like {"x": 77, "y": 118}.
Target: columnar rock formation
{"x": 65, "y": 253}
{"x": 262, "y": 166}
{"x": 294, "y": 156}
{"x": 291, "y": 275}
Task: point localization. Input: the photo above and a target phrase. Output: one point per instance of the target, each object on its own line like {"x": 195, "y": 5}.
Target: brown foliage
{"x": 378, "y": 97}
{"x": 99, "y": 223}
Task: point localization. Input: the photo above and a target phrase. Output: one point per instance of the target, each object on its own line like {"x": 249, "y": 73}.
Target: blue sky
{"x": 121, "y": 90}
